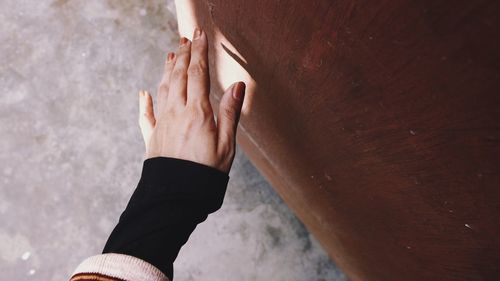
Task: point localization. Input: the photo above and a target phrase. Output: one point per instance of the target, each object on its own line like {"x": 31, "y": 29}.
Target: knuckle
{"x": 179, "y": 73}
{"x": 200, "y": 117}
{"x": 228, "y": 113}
{"x": 163, "y": 89}
{"x": 205, "y": 107}
{"x": 171, "y": 110}
{"x": 194, "y": 112}
{"x": 198, "y": 112}
{"x": 183, "y": 53}
{"x": 167, "y": 112}
{"x": 199, "y": 46}
{"x": 197, "y": 69}
{"x": 227, "y": 150}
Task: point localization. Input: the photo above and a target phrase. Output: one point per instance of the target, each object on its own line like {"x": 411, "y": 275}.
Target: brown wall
{"x": 378, "y": 122}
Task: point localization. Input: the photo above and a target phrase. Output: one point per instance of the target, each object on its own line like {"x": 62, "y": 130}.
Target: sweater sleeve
{"x": 172, "y": 197}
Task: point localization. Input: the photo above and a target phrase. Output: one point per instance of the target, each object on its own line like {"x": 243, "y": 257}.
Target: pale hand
{"x": 184, "y": 126}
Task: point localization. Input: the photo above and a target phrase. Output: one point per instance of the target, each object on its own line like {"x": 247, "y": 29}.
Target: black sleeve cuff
{"x": 183, "y": 178}
{"x": 172, "y": 197}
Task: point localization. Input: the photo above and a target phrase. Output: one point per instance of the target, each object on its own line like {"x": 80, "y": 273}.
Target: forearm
{"x": 172, "y": 197}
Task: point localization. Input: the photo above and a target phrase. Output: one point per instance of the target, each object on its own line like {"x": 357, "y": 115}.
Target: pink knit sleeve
{"x": 116, "y": 267}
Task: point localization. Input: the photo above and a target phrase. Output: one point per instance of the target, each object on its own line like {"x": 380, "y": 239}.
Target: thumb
{"x": 147, "y": 119}
{"x": 229, "y": 115}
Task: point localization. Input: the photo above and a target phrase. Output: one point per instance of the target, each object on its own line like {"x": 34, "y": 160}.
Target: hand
{"x": 183, "y": 126}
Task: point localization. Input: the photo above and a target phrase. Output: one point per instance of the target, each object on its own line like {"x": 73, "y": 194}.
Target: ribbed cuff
{"x": 121, "y": 267}
{"x": 187, "y": 178}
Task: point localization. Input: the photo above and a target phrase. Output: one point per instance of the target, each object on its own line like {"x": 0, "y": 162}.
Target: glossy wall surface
{"x": 378, "y": 122}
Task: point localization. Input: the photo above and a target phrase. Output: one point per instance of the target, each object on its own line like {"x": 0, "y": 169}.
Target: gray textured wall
{"x": 71, "y": 151}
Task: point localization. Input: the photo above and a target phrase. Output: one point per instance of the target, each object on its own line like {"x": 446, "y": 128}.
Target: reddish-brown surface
{"x": 378, "y": 122}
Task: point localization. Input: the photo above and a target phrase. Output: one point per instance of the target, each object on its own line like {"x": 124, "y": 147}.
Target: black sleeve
{"x": 172, "y": 197}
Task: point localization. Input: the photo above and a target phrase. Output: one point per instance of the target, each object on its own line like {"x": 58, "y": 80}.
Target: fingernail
{"x": 239, "y": 91}
{"x": 197, "y": 33}
{"x": 183, "y": 41}
{"x": 170, "y": 57}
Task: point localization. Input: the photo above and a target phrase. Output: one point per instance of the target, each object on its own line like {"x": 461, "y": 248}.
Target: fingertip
{"x": 197, "y": 33}
{"x": 238, "y": 91}
{"x": 170, "y": 57}
{"x": 141, "y": 99}
{"x": 184, "y": 41}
